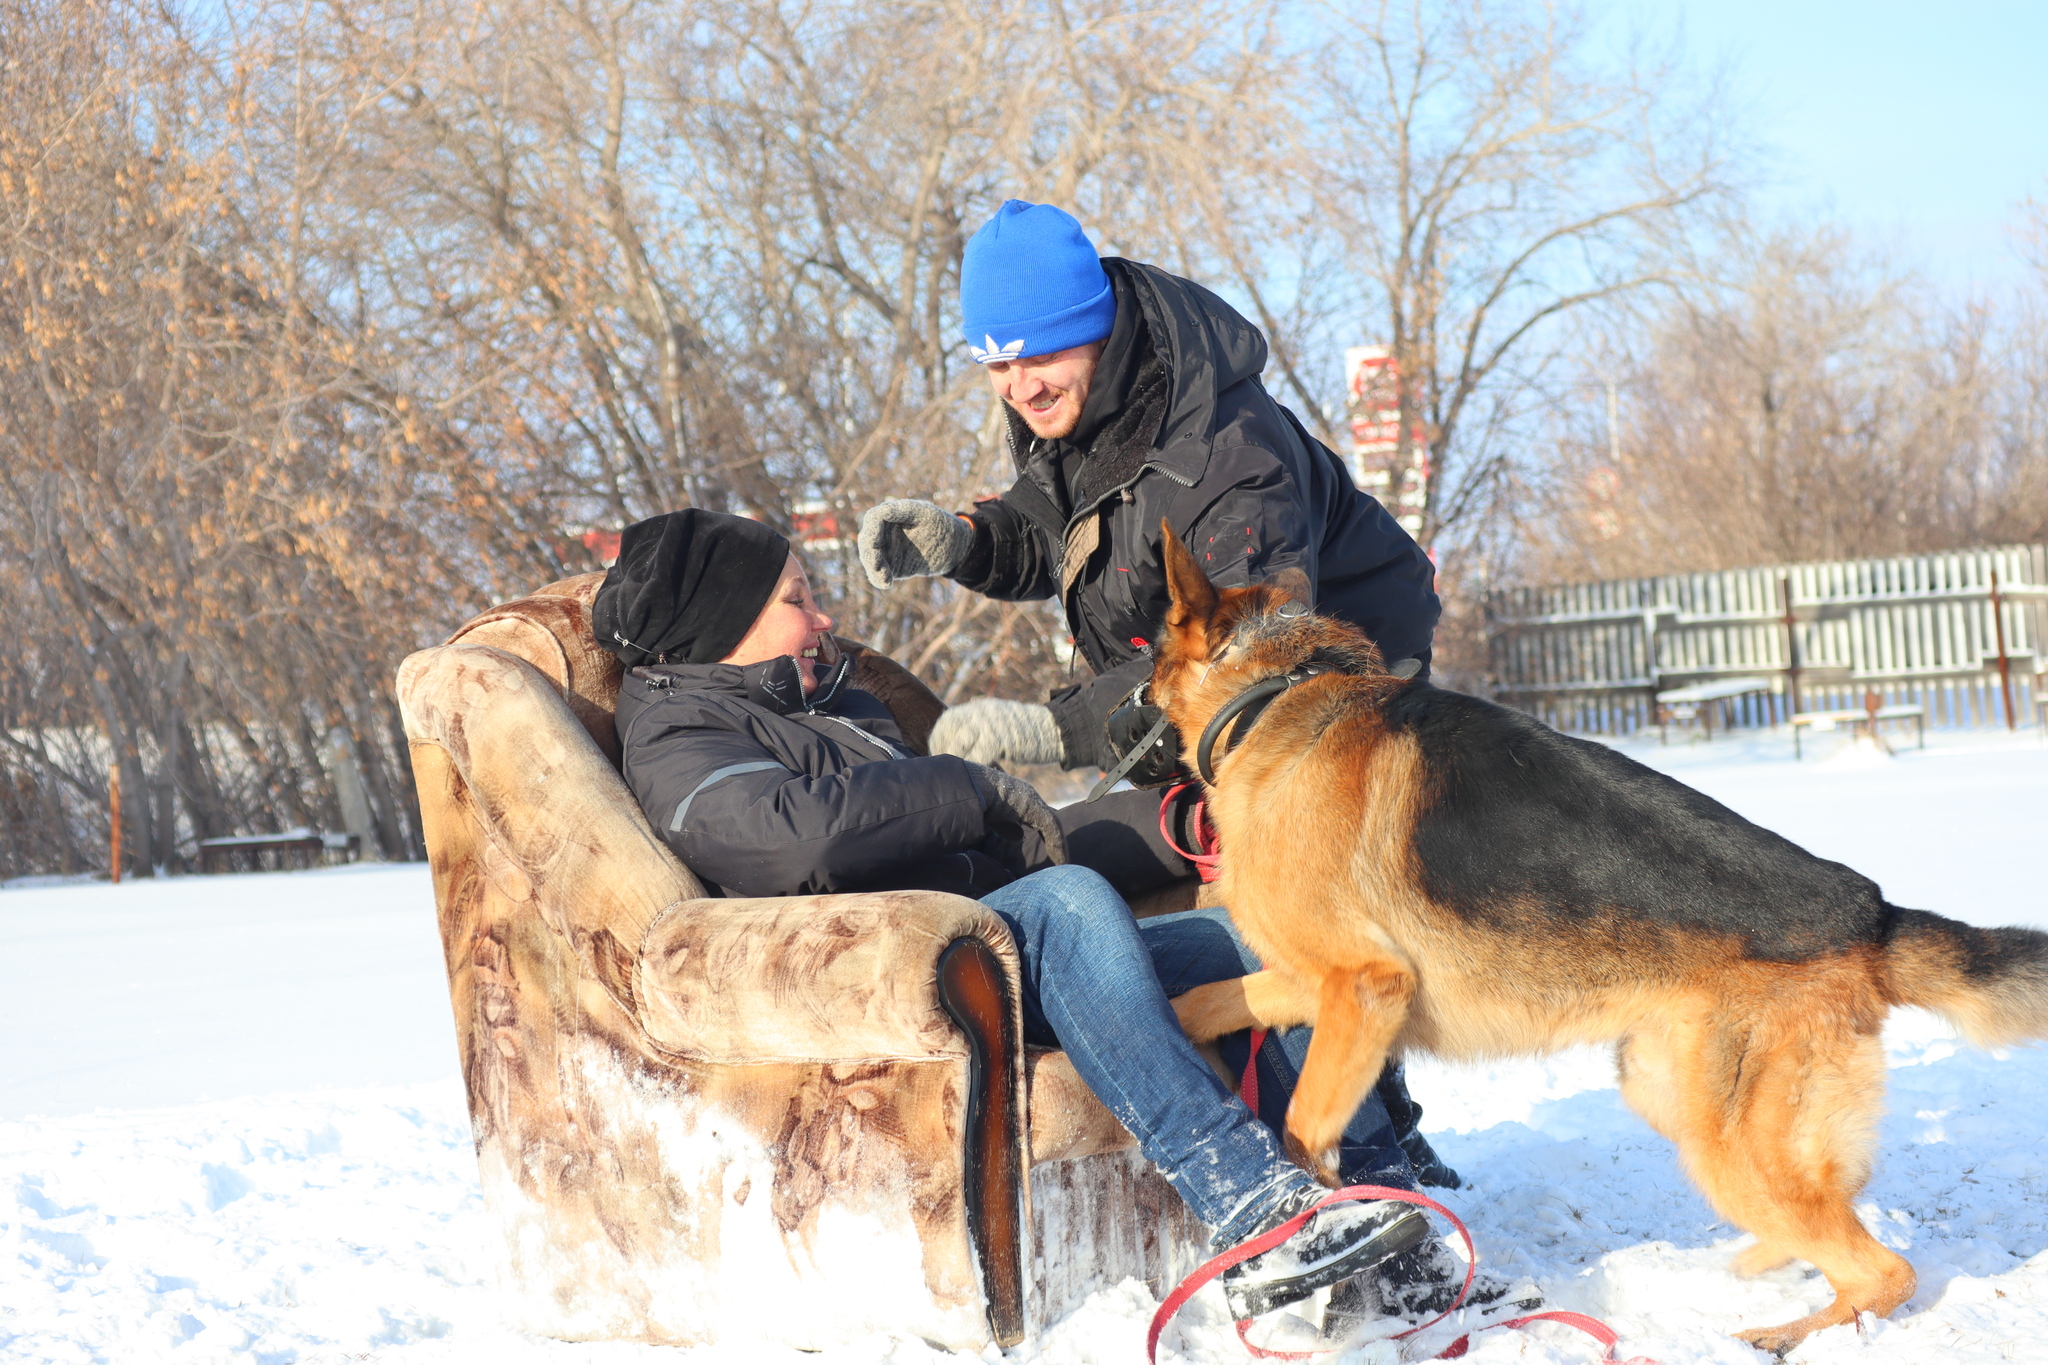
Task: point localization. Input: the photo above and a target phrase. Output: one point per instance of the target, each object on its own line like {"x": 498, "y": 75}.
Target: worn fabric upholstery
{"x": 686, "y": 1107}
{"x": 808, "y": 978}
{"x": 564, "y": 835}
{"x": 551, "y": 631}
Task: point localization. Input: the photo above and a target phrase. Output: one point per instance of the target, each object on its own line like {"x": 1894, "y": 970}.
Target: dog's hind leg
{"x": 1359, "y": 1012}
{"x": 1268, "y": 999}
{"x": 1649, "y": 1065}
{"x": 1774, "y": 1116}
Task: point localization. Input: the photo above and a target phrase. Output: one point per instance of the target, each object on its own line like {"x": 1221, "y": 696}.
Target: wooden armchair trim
{"x": 975, "y": 991}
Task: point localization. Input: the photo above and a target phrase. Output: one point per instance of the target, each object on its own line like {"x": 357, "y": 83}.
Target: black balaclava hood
{"x": 686, "y": 587}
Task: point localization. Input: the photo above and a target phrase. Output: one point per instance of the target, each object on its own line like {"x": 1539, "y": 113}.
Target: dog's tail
{"x": 1990, "y": 983}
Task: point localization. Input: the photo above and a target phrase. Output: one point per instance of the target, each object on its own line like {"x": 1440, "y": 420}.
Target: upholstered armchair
{"x": 798, "y": 1120}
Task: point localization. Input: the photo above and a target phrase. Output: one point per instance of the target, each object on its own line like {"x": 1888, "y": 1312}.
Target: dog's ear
{"x": 1291, "y": 585}
{"x": 1194, "y": 596}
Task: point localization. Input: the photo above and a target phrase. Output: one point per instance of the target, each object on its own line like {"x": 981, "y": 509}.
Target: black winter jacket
{"x": 1184, "y": 430}
{"x": 762, "y": 794}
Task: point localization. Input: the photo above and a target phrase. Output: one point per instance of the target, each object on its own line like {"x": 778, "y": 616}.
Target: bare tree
{"x": 211, "y": 538}
{"x": 709, "y": 256}
{"x": 324, "y": 324}
{"x": 1486, "y": 173}
{"x": 1812, "y": 403}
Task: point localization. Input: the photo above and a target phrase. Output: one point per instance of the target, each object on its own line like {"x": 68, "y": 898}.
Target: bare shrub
{"x": 1808, "y": 403}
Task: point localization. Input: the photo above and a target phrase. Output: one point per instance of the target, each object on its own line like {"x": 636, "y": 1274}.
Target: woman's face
{"x": 790, "y": 624}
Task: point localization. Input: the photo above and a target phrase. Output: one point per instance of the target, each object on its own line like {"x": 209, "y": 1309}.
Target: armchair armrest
{"x": 811, "y": 978}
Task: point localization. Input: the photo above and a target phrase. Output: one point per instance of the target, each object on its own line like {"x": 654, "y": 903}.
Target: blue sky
{"x": 1920, "y": 126}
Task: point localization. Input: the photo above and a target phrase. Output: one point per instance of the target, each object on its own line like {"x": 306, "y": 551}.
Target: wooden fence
{"x": 1960, "y": 633}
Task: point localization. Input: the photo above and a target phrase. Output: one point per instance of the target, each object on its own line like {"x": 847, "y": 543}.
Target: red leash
{"x": 1209, "y": 860}
{"x": 1248, "y": 1091}
{"x": 1273, "y": 1237}
{"x": 1248, "y": 1087}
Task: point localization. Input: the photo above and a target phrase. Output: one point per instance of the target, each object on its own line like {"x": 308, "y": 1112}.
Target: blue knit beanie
{"x": 1030, "y": 284}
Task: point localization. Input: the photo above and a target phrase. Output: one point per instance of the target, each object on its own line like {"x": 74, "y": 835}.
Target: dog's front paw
{"x": 1208, "y": 1012}
{"x": 1322, "y": 1165}
{"x": 1777, "y": 1340}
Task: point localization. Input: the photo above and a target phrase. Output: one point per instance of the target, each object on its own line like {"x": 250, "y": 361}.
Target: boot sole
{"x": 1264, "y": 1296}
{"x": 1339, "y": 1329}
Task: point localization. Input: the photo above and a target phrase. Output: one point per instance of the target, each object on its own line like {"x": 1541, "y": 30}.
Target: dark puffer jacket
{"x": 762, "y": 794}
{"x": 1179, "y": 427}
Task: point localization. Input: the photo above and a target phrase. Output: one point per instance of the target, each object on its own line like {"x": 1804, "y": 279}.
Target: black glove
{"x": 1012, "y": 800}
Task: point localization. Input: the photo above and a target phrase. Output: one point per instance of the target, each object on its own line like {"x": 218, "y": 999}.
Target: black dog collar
{"x": 1257, "y": 695}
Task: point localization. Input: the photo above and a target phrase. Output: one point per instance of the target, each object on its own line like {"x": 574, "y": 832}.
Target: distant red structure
{"x": 1374, "y": 382}
{"x": 815, "y": 524}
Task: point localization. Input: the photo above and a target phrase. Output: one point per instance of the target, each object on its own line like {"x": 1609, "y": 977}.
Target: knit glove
{"x": 1012, "y": 800}
{"x": 906, "y": 538}
{"x": 992, "y": 730}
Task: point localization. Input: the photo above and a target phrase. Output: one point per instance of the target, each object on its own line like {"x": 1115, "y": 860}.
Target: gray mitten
{"x": 906, "y": 538}
{"x": 1013, "y": 799}
{"x": 992, "y": 730}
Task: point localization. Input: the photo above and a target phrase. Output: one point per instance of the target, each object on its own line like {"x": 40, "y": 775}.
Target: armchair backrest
{"x": 550, "y": 629}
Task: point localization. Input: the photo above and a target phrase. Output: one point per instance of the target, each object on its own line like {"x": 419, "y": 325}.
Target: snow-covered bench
{"x": 802, "y": 1120}
{"x": 302, "y": 846}
{"x": 1695, "y": 705}
{"x": 1866, "y": 717}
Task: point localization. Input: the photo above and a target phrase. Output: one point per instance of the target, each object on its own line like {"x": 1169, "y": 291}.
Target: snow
{"x": 165, "y": 991}
{"x": 231, "y": 1130}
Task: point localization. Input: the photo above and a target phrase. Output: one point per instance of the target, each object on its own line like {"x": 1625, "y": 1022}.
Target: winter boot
{"x": 1419, "y": 1284}
{"x": 1337, "y": 1243}
{"x": 1406, "y": 1115}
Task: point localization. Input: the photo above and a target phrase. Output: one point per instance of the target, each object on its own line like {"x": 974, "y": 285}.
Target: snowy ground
{"x": 230, "y": 1128}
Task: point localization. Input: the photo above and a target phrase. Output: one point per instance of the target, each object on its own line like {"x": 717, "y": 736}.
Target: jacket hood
{"x": 1209, "y": 348}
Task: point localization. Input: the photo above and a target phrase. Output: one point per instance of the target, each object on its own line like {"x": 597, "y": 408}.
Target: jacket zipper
{"x": 1104, "y": 496}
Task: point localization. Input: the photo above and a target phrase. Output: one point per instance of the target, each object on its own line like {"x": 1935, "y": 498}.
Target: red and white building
{"x": 1374, "y": 389}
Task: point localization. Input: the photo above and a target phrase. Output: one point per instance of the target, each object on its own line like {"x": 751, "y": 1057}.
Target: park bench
{"x": 1868, "y": 718}
{"x": 1697, "y": 704}
{"x": 301, "y": 846}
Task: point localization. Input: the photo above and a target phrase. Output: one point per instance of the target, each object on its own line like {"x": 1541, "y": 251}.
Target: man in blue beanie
{"x": 1133, "y": 395}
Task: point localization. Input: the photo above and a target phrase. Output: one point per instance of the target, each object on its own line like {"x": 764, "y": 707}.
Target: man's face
{"x": 1047, "y": 391}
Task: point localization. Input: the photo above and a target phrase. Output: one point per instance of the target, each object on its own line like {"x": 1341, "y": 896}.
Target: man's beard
{"x": 1066, "y": 415}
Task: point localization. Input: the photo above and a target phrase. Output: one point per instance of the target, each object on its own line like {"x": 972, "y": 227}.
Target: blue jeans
{"x": 1097, "y": 982}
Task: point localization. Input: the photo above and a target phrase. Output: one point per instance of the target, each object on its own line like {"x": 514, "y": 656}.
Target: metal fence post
{"x": 2004, "y": 663}
{"x": 1791, "y": 651}
{"x": 114, "y": 808}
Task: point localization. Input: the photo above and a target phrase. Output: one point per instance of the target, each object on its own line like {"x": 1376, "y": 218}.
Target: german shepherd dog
{"x": 1422, "y": 869}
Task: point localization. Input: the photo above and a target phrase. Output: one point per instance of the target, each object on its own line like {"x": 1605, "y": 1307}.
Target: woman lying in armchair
{"x": 769, "y": 775}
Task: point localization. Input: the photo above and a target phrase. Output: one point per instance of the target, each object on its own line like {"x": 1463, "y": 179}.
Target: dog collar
{"x": 1257, "y": 695}
{"x": 1130, "y": 760}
